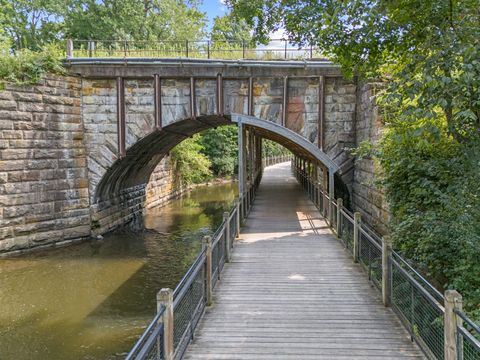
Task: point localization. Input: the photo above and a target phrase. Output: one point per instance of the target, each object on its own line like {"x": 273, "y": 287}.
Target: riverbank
{"x": 92, "y": 300}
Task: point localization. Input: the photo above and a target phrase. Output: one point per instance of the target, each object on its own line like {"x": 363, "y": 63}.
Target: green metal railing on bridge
{"x": 276, "y": 49}
{"x": 435, "y": 321}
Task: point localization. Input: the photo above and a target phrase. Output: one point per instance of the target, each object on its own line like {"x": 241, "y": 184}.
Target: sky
{"x": 213, "y": 8}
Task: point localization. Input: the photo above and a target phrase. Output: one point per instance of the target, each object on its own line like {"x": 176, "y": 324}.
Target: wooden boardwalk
{"x": 293, "y": 292}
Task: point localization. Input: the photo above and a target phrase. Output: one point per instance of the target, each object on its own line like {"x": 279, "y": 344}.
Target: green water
{"x": 93, "y": 300}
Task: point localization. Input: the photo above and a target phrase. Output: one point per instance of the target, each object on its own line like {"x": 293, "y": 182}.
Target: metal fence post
{"x": 386, "y": 253}
{"x": 165, "y": 298}
{"x": 453, "y": 301}
{"x": 357, "y": 223}
{"x": 319, "y": 196}
{"x": 69, "y": 52}
{"x": 238, "y": 218}
{"x": 227, "y": 236}
{"x": 208, "y": 244}
{"x": 339, "y": 217}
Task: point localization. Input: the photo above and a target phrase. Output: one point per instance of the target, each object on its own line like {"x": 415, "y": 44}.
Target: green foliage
{"x": 271, "y": 148}
{"x": 191, "y": 166}
{"x": 146, "y": 21}
{"x": 221, "y": 147}
{"x": 27, "y": 67}
{"x": 427, "y": 55}
{"x": 431, "y": 182}
{"x": 32, "y": 23}
{"x": 230, "y": 29}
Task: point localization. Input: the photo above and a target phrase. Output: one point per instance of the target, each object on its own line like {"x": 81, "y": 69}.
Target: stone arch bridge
{"x": 110, "y": 122}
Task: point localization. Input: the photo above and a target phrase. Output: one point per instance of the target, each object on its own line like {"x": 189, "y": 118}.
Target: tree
{"x": 190, "y": 165}
{"x": 31, "y": 23}
{"x": 230, "y": 29}
{"x": 427, "y": 55}
{"x": 148, "y": 20}
{"x": 220, "y": 146}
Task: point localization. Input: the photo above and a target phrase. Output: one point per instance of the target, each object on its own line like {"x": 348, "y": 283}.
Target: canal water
{"x": 93, "y": 300}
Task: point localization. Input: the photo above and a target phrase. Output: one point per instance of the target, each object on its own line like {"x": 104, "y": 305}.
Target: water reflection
{"x": 91, "y": 301}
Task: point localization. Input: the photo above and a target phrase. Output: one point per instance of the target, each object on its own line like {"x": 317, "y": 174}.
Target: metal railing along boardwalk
{"x": 179, "y": 311}
{"x": 435, "y": 321}
{"x": 276, "y": 49}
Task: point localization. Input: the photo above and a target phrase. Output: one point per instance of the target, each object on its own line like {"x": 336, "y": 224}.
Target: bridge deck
{"x": 293, "y": 292}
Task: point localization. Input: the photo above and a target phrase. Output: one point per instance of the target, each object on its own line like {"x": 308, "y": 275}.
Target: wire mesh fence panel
{"x": 347, "y": 229}
{"x": 370, "y": 256}
{"x": 233, "y": 227}
{"x": 221, "y": 250}
{"x": 333, "y": 213}
{"x": 421, "y": 314}
{"x": 188, "y": 310}
{"x": 215, "y": 262}
{"x": 468, "y": 338}
{"x": 468, "y": 343}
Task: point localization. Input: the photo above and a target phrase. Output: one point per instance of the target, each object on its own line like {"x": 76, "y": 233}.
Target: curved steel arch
{"x": 287, "y": 134}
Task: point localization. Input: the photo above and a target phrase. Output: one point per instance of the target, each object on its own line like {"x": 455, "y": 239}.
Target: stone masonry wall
{"x": 43, "y": 175}
{"x": 161, "y": 186}
{"x": 368, "y": 199}
{"x": 58, "y": 137}
{"x": 340, "y": 118}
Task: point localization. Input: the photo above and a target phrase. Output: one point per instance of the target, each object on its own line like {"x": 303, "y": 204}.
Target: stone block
{"x": 8, "y": 105}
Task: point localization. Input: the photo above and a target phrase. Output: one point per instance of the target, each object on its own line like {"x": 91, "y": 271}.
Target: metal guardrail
{"x": 273, "y": 160}
{"x": 422, "y": 309}
{"x": 276, "y": 49}
{"x": 468, "y": 338}
{"x": 179, "y": 311}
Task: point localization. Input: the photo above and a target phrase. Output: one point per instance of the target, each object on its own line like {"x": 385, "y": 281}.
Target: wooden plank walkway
{"x": 293, "y": 292}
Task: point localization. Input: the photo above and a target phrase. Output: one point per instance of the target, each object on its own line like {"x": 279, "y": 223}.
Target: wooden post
{"x": 69, "y": 49}
{"x": 207, "y": 240}
{"x": 386, "y": 253}
{"x": 453, "y": 301}
{"x": 227, "y": 236}
{"x": 325, "y": 191}
{"x": 319, "y": 196}
{"x": 165, "y": 298}
{"x": 357, "y": 223}
{"x": 339, "y": 217}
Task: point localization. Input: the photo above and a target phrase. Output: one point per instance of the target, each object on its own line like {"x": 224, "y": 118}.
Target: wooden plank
{"x": 293, "y": 292}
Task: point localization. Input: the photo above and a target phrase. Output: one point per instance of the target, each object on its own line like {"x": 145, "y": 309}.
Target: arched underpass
{"x": 113, "y": 199}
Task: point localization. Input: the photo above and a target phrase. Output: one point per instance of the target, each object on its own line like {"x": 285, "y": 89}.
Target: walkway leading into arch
{"x": 293, "y": 292}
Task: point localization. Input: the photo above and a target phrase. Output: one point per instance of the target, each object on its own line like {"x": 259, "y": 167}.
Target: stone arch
{"x": 141, "y": 158}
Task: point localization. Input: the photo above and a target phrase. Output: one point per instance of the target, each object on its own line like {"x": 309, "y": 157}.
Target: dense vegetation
{"x": 32, "y": 32}
{"x": 427, "y": 54}
{"x": 212, "y": 154}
